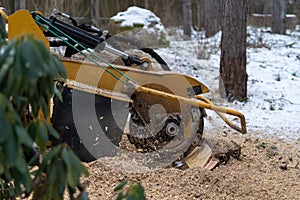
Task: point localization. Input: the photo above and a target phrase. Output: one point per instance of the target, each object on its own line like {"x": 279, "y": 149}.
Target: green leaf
{"x": 18, "y": 66}
{"x": 140, "y": 191}
{"x": 1, "y": 169}
{"x": 136, "y": 192}
{"x": 27, "y": 74}
{"x": 120, "y": 186}
{"x": 59, "y": 67}
{"x": 21, "y": 165}
{"x": 10, "y": 149}
{"x": 52, "y": 171}
{"x": 53, "y": 180}
{"x": 23, "y": 136}
{"x": 23, "y": 170}
{"x": 61, "y": 178}
{"x": 74, "y": 167}
{"x": 5, "y": 127}
{"x": 32, "y": 130}
{"x": 52, "y": 153}
{"x": 120, "y": 196}
{"x": 71, "y": 191}
{"x": 31, "y": 60}
{"x": 17, "y": 181}
{"x": 42, "y": 138}
{"x": 71, "y": 180}
{"x": 84, "y": 170}
{"x": 8, "y": 61}
{"x": 52, "y": 131}
{"x": 45, "y": 107}
{"x": 77, "y": 166}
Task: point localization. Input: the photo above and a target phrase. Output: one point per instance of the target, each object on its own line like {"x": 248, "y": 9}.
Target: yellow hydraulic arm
{"x": 204, "y": 103}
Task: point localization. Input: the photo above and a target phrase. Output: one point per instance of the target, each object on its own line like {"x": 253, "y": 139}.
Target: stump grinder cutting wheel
{"x": 155, "y": 123}
{"x": 163, "y": 110}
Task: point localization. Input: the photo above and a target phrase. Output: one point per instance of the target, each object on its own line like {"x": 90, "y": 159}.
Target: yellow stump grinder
{"x": 160, "y": 112}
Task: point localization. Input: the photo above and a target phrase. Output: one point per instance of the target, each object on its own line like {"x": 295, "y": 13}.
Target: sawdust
{"x": 267, "y": 169}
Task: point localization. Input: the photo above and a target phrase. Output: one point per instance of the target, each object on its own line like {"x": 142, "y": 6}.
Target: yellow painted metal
{"x": 93, "y": 75}
{"x": 20, "y": 23}
{"x": 173, "y": 86}
{"x": 241, "y": 129}
{"x": 207, "y": 105}
{"x": 95, "y": 90}
{"x": 3, "y": 17}
{"x": 148, "y": 60}
{"x": 3, "y": 14}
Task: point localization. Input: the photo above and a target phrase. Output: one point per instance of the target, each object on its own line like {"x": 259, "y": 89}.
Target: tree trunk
{"x": 12, "y": 6}
{"x": 233, "y": 76}
{"x": 210, "y": 13}
{"x": 212, "y": 23}
{"x": 187, "y": 17}
{"x": 195, "y": 14}
{"x": 278, "y": 16}
{"x": 297, "y": 11}
{"x": 23, "y": 4}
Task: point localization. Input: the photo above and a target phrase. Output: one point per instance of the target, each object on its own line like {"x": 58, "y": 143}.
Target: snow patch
{"x": 273, "y": 68}
{"x": 134, "y": 16}
{"x": 143, "y": 25}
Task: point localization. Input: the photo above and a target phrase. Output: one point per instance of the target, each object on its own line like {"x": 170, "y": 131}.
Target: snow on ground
{"x": 273, "y": 68}
{"x": 274, "y": 86}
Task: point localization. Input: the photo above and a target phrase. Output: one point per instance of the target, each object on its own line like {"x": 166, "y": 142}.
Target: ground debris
{"x": 253, "y": 176}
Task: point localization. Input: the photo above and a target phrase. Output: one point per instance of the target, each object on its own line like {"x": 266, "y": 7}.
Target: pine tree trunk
{"x": 297, "y": 11}
{"x": 210, "y": 16}
{"x": 22, "y": 4}
{"x": 278, "y": 15}
{"x": 213, "y": 17}
{"x": 187, "y": 17}
{"x": 233, "y": 76}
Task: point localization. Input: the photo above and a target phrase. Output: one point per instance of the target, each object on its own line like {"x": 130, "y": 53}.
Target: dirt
{"x": 266, "y": 169}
